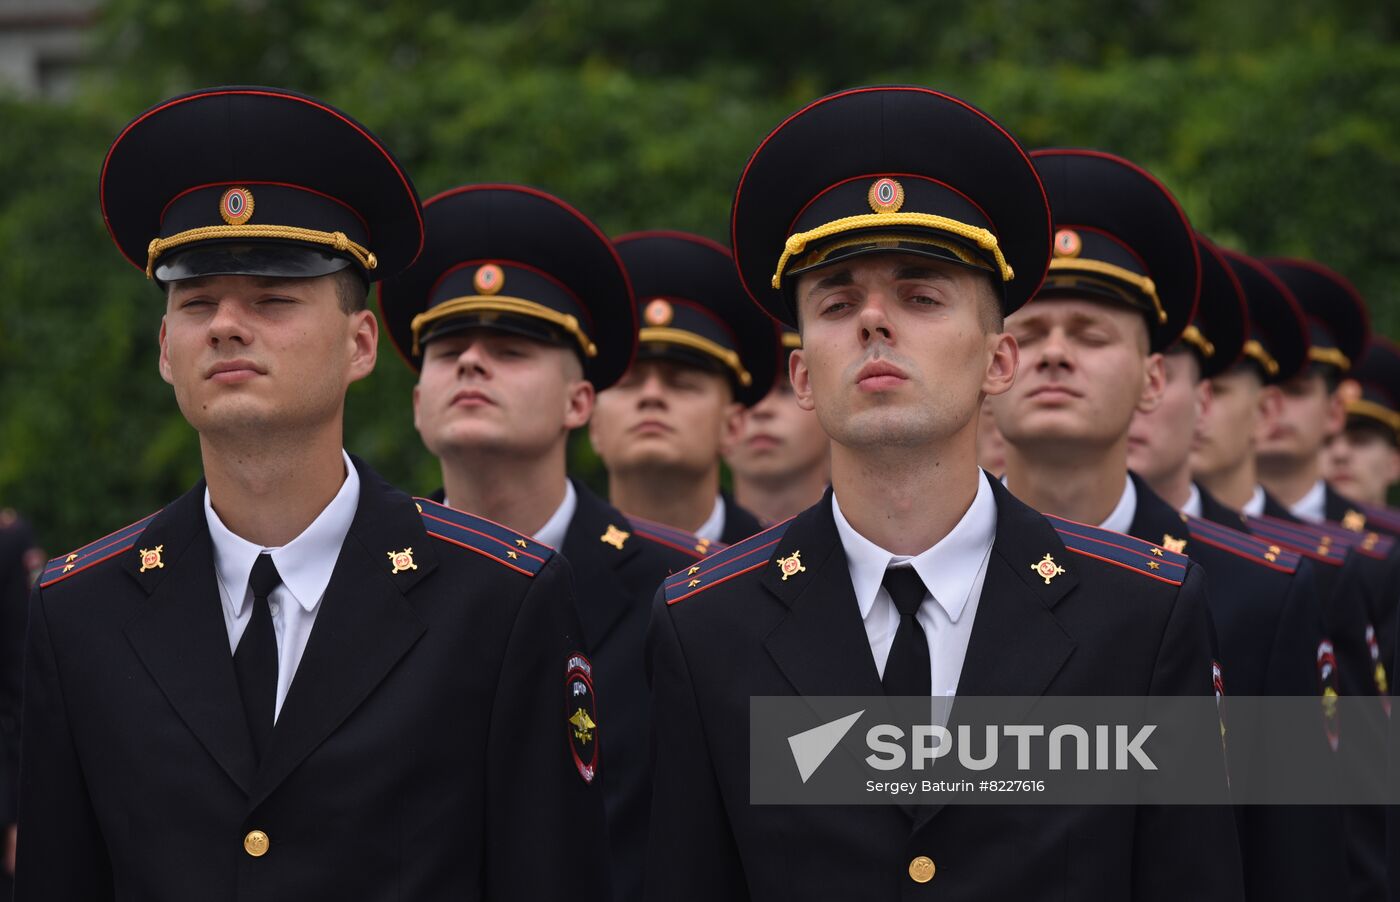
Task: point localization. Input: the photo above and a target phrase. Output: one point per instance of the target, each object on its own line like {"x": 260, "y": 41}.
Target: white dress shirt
{"x": 554, "y": 529}
{"x": 1121, "y": 520}
{"x": 1192, "y": 507}
{"x": 305, "y": 565}
{"x": 1254, "y": 507}
{"x": 713, "y": 527}
{"x": 953, "y": 572}
{"x": 1312, "y": 507}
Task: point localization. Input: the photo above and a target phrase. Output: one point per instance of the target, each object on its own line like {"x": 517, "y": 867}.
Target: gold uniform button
{"x": 256, "y": 844}
{"x": 921, "y": 869}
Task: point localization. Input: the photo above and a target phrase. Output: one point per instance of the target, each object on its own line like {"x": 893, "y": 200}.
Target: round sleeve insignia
{"x": 236, "y": 206}
{"x": 886, "y": 196}
{"x": 581, "y": 716}
{"x": 658, "y": 312}
{"x": 489, "y": 279}
{"x": 1068, "y": 243}
{"x": 1327, "y": 678}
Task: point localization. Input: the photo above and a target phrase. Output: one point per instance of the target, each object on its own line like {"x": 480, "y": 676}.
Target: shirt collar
{"x": 553, "y": 530}
{"x": 1121, "y": 520}
{"x": 1254, "y": 507}
{"x": 948, "y": 569}
{"x": 1192, "y": 507}
{"x": 1312, "y": 507}
{"x": 305, "y": 563}
{"x": 713, "y": 527}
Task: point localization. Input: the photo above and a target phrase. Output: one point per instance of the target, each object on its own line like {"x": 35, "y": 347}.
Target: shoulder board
{"x": 1123, "y": 550}
{"x": 1363, "y": 539}
{"x": 1302, "y": 538}
{"x": 1242, "y": 544}
{"x": 503, "y": 545}
{"x": 671, "y": 537}
{"x": 93, "y": 553}
{"x": 1386, "y": 518}
{"x": 722, "y": 566}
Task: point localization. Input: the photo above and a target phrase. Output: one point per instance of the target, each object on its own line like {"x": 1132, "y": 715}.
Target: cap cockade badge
{"x": 236, "y": 206}
{"x": 402, "y": 560}
{"x": 489, "y": 279}
{"x": 1047, "y": 569}
{"x": 658, "y": 312}
{"x": 886, "y": 196}
{"x": 791, "y": 565}
{"x": 1068, "y": 243}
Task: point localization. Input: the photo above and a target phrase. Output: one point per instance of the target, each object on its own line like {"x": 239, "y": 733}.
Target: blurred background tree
{"x": 1278, "y": 127}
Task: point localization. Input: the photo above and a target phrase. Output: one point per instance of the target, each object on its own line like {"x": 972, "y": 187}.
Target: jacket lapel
{"x": 364, "y": 625}
{"x": 602, "y": 595}
{"x": 181, "y": 638}
{"x": 1017, "y": 644}
{"x": 821, "y": 646}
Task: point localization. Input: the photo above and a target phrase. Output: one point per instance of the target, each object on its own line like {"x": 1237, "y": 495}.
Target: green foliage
{"x": 1277, "y": 127}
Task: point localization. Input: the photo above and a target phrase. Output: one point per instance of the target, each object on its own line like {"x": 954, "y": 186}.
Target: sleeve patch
{"x": 60, "y": 568}
{"x": 503, "y": 545}
{"x": 741, "y": 557}
{"x": 1125, "y": 551}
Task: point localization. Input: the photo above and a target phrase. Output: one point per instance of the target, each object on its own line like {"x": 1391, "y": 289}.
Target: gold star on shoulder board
{"x": 693, "y": 583}
{"x": 1157, "y": 552}
{"x": 692, "y": 571}
{"x": 1154, "y": 565}
{"x": 512, "y": 555}
{"x": 522, "y": 543}
{"x": 614, "y": 537}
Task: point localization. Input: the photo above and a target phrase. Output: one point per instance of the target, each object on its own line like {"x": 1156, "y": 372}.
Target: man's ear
{"x": 1154, "y": 383}
{"x": 733, "y": 427}
{"x": 1336, "y": 414}
{"x": 579, "y": 404}
{"x": 801, "y": 379}
{"x": 1205, "y": 397}
{"x": 364, "y": 344}
{"x": 1001, "y": 367}
{"x": 166, "y": 372}
{"x": 1269, "y": 410}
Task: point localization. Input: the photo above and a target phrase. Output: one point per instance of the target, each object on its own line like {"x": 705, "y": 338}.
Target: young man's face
{"x": 896, "y": 350}
{"x": 664, "y": 415}
{"x": 1085, "y": 371}
{"x": 777, "y": 439}
{"x": 481, "y": 390}
{"x": 1160, "y": 440}
{"x": 248, "y": 354}
{"x": 1241, "y": 410}
{"x": 1309, "y": 415}
{"x": 1362, "y": 463}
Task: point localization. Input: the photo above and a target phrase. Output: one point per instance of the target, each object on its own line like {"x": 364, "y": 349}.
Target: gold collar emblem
{"x": 402, "y": 560}
{"x": 1172, "y": 543}
{"x": 614, "y": 537}
{"x": 150, "y": 558}
{"x": 791, "y": 565}
{"x": 1047, "y": 569}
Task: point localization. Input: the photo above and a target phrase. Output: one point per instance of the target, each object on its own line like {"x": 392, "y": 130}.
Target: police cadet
{"x": 1362, "y": 461}
{"x": 704, "y": 354}
{"x": 1245, "y": 406}
{"x": 1121, "y": 290}
{"x": 1271, "y": 633}
{"x": 1312, "y": 409}
{"x": 781, "y": 458}
{"x": 516, "y": 313}
{"x": 291, "y": 682}
{"x": 894, "y": 227}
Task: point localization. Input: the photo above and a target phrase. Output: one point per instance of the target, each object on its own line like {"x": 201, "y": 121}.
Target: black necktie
{"x": 255, "y": 661}
{"x": 907, "y": 668}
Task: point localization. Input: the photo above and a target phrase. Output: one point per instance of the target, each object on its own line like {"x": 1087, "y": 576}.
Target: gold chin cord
{"x": 336, "y": 240}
